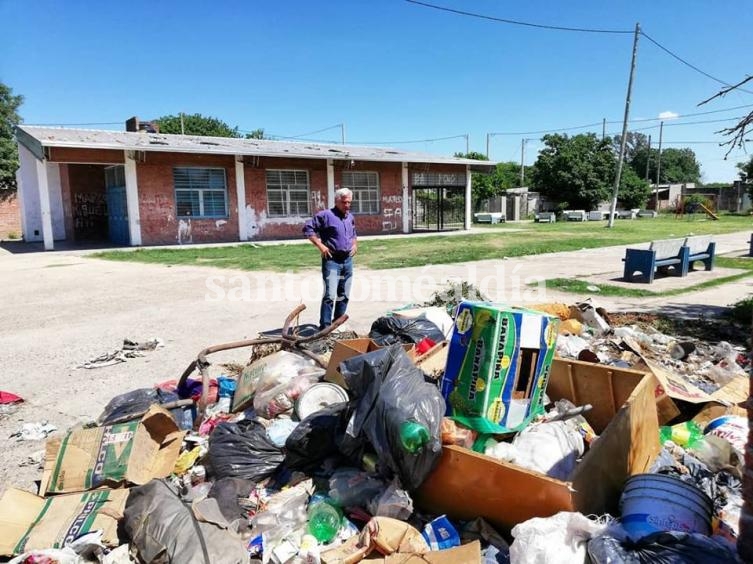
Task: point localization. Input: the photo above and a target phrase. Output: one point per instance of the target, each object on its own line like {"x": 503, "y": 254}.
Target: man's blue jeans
{"x": 338, "y": 276}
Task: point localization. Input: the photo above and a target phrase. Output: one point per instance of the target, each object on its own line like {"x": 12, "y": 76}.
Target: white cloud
{"x": 668, "y": 115}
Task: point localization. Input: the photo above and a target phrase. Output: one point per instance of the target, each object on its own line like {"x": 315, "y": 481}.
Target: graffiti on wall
{"x": 90, "y": 215}
{"x": 156, "y": 204}
{"x": 392, "y": 212}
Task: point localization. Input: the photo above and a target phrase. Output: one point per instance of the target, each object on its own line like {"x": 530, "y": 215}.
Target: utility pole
{"x": 658, "y": 164}
{"x": 523, "y": 162}
{"x": 621, "y": 159}
{"x": 182, "y": 129}
{"x": 342, "y": 133}
{"x": 603, "y": 128}
{"x": 648, "y": 163}
{"x": 467, "y": 143}
{"x": 487, "y": 144}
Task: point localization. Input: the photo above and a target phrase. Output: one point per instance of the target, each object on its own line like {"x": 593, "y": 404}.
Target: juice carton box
{"x": 498, "y": 364}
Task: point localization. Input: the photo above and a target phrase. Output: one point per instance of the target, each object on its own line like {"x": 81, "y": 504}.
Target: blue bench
{"x": 700, "y": 249}
{"x": 670, "y": 256}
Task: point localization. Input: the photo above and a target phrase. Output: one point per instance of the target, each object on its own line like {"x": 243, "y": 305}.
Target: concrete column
{"x": 467, "y": 197}
{"x": 240, "y": 187}
{"x": 44, "y": 204}
{"x": 330, "y": 183}
{"x": 132, "y": 199}
{"x": 406, "y": 199}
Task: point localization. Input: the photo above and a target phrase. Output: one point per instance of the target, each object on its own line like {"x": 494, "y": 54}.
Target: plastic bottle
{"x": 413, "y": 436}
{"x": 686, "y": 434}
{"x": 325, "y": 519}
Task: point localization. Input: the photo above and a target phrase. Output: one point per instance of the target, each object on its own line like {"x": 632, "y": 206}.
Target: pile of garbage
{"x": 495, "y": 434}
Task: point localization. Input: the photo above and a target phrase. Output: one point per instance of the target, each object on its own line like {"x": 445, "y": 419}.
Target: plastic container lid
{"x": 318, "y": 397}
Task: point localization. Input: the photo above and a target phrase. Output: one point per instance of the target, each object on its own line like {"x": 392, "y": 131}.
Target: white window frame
{"x": 357, "y": 208}
{"x": 200, "y": 191}
{"x": 285, "y": 189}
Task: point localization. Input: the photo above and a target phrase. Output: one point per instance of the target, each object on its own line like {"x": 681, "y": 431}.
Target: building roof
{"x": 36, "y": 138}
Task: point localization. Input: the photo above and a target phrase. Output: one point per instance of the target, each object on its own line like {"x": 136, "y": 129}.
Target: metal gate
{"x": 117, "y": 206}
{"x": 438, "y": 208}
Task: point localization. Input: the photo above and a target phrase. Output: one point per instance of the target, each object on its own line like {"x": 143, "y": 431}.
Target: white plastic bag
{"x": 560, "y": 539}
{"x": 551, "y": 448}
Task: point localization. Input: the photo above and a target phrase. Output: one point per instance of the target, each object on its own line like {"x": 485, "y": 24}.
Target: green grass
{"x": 501, "y": 240}
{"x": 578, "y": 286}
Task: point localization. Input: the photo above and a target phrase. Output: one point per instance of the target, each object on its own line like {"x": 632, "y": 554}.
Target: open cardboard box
{"x": 466, "y": 484}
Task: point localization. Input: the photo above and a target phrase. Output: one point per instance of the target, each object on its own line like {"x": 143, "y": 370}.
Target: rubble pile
{"x": 491, "y": 434}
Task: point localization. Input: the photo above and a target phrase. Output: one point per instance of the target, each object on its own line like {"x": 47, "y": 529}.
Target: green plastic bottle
{"x": 325, "y": 520}
{"x": 414, "y": 436}
{"x": 687, "y": 434}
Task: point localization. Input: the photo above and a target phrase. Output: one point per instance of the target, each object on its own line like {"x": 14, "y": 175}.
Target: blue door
{"x": 117, "y": 216}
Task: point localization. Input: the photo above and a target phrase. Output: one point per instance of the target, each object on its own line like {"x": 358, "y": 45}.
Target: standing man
{"x": 333, "y": 233}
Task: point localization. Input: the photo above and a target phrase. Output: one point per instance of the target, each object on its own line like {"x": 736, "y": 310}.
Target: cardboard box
{"x": 466, "y": 484}
{"x": 498, "y": 363}
{"x": 29, "y": 522}
{"x": 125, "y": 453}
{"x": 348, "y": 348}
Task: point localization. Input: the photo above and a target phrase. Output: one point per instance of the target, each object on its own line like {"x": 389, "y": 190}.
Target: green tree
{"x": 255, "y": 134}
{"x": 634, "y": 143}
{"x": 577, "y": 172}
{"x": 634, "y": 190}
{"x": 485, "y": 186}
{"x": 677, "y": 165}
{"x": 196, "y": 124}
{"x": 746, "y": 174}
{"x": 9, "y": 118}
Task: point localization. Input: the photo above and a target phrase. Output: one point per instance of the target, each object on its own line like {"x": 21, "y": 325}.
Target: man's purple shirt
{"x": 336, "y": 231}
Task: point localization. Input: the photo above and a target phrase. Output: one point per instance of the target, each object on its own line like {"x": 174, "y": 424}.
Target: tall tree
{"x": 196, "y": 124}
{"x": 677, "y": 165}
{"x": 634, "y": 143}
{"x": 484, "y": 186}
{"x": 9, "y": 118}
{"x": 634, "y": 190}
{"x": 575, "y": 171}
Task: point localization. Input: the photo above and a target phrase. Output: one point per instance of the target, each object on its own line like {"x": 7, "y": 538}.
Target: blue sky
{"x": 389, "y": 70}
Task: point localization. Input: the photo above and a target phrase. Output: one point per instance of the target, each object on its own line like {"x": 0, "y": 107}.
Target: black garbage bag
{"x": 388, "y": 390}
{"x": 135, "y": 403}
{"x": 242, "y": 450}
{"x": 316, "y": 438}
{"x": 394, "y": 330}
{"x": 230, "y": 494}
{"x": 661, "y": 548}
{"x": 163, "y": 529}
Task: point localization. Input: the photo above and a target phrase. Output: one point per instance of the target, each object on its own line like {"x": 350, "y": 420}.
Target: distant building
{"x": 142, "y": 188}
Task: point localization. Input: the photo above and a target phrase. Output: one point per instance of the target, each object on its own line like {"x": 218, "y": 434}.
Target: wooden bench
{"x": 702, "y": 249}
{"x": 665, "y": 254}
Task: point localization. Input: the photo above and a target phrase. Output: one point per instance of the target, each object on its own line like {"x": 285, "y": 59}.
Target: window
{"x": 365, "y": 187}
{"x": 200, "y": 192}
{"x": 287, "y": 193}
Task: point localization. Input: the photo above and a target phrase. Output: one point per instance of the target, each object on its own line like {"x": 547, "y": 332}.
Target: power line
{"x": 517, "y": 22}
{"x": 306, "y": 134}
{"x": 408, "y": 142}
{"x": 686, "y": 63}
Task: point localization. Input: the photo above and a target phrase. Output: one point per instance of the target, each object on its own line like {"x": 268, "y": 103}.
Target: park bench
{"x": 489, "y": 217}
{"x": 702, "y": 249}
{"x": 596, "y": 215}
{"x": 575, "y": 215}
{"x": 665, "y": 254}
{"x": 545, "y": 217}
{"x": 677, "y": 254}
{"x": 647, "y": 213}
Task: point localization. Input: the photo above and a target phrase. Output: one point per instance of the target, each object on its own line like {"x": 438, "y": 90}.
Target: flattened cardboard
{"x": 348, "y": 348}
{"x": 624, "y": 416}
{"x": 466, "y": 554}
{"x": 29, "y": 522}
{"x": 114, "y": 455}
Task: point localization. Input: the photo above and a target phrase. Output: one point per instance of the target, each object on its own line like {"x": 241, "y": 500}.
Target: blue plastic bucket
{"x": 652, "y": 503}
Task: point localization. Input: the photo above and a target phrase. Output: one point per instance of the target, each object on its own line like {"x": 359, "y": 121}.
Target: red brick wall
{"x": 10, "y": 214}
{"x": 159, "y": 222}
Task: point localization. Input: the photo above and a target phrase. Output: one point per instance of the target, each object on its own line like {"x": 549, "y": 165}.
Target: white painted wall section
{"x": 132, "y": 199}
{"x": 330, "y": 183}
{"x": 240, "y": 187}
{"x": 44, "y": 205}
{"x": 28, "y": 192}
{"x": 56, "y": 201}
{"x": 467, "y": 197}
{"x": 406, "y": 200}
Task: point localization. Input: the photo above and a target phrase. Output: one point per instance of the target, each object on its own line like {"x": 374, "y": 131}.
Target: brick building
{"x": 10, "y": 215}
{"x": 140, "y": 188}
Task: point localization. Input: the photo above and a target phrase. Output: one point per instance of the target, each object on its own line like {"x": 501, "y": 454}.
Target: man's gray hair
{"x": 340, "y": 192}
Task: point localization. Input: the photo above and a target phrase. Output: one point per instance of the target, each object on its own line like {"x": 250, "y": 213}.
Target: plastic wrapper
{"x": 133, "y": 404}
{"x": 242, "y": 450}
{"x": 662, "y": 548}
{"x": 275, "y": 369}
{"x": 349, "y": 487}
{"x": 316, "y": 438}
{"x": 269, "y": 402}
{"x": 388, "y": 391}
{"x": 560, "y": 539}
{"x": 393, "y": 502}
{"x": 395, "y": 330}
